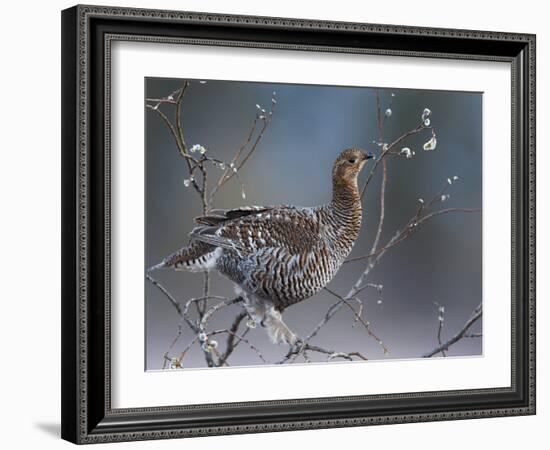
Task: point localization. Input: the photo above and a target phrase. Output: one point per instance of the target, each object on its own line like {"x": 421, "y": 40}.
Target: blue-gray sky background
{"x": 292, "y": 165}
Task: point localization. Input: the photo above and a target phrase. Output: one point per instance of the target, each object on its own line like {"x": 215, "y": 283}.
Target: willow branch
{"x": 296, "y": 351}
{"x": 358, "y": 317}
{"x": 230, "y": 344}
{"x": 167, "y": 294}
{"x": 476, "y": 315}
{"x": 387, "y": 150}
{"x": 235, "y": 166}
{"x": 408, "y": 231}
{"x": 240, "y": 338}
{"x": 384, "y": 176}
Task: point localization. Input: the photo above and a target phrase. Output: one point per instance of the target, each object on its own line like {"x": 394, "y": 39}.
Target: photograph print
{"x": 310, "y": 224}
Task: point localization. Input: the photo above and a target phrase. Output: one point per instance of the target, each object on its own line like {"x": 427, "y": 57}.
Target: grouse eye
{"x": 352, "y": 160}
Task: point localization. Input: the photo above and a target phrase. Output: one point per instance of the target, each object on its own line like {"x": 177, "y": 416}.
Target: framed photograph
{"x": 281, "y": 224}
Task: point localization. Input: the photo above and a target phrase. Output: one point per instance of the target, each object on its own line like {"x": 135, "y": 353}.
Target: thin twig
{"x": 234, "y": 166}
{"x": 208, "y": 314}
{"x": 231, "y": 165}
{"x": 294, "y": 352}
{"x": 384, "y": 177}
{"x": 230, "y": 343}
{"x": 476, "y": 315}
{"x": 179, "y": 123}
{"x": 440, "y": 320}
{"x": 387, "y": 151}
{"x": 240, "y": 338}
{"x": 366, "y": 325}
{"x": 167, "y": 294}
{"x": 409, "y": 231}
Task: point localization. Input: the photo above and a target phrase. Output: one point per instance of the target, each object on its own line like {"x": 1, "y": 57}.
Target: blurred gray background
{"x": 292, "y": 165}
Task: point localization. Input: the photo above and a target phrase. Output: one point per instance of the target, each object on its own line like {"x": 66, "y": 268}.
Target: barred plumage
{"x": 279, "y": 255}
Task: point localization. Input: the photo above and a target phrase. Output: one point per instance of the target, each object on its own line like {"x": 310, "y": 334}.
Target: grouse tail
{"x": 196, "y": 257}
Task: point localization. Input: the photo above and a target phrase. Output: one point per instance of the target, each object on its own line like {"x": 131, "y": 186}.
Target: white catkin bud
{"x": 203, "y": 337}
{"x": 449, "y": 181}
{"x": 251, "y": 323}
{"x": 406, "y": 152}
{"x": 421, "y": 200}
{"x": 427, "y": 122}
{"x": 214, "y": 344}
{"x": 431, "y": 144}
{"x": 455, "y": 178}
{"x": 198, "y": 148}
{"x": 388, "y": 112}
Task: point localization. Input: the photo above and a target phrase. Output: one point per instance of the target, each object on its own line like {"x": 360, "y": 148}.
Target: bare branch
{"x": 208, "y": 314}
{"x": 386, "y": 151}
{"x": 240, "y": 338}
{"x": 179, "y": 123}
{"x": 384, "y": 177}
{"x": 167, "y": 294}
{"x": 231, "y": 344}
{"x": 296, "y": 351}
{"x": 366, "y": 325}
{"x": 473, "y": 335}
{"x": 408, "y": 231}
{"x": 476, "y": 315}
{"x": 440, "y": 320}
{"x": 175, "y": 98}
{"x": 235, "y": 166}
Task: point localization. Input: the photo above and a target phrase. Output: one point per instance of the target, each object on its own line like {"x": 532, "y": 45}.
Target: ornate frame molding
{"x": 83, "y": 421}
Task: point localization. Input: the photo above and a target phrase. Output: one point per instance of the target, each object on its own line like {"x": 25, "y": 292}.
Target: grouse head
{"x": 348, "y": 164}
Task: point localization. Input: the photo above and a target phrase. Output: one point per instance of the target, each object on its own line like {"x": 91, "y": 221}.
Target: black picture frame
{"x": 87, "y": 416}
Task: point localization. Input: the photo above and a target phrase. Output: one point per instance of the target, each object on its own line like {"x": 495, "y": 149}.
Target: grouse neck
{"x": 346, "y": 199}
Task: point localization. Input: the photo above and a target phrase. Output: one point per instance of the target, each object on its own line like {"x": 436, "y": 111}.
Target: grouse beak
{"x": 368, "y": 155}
